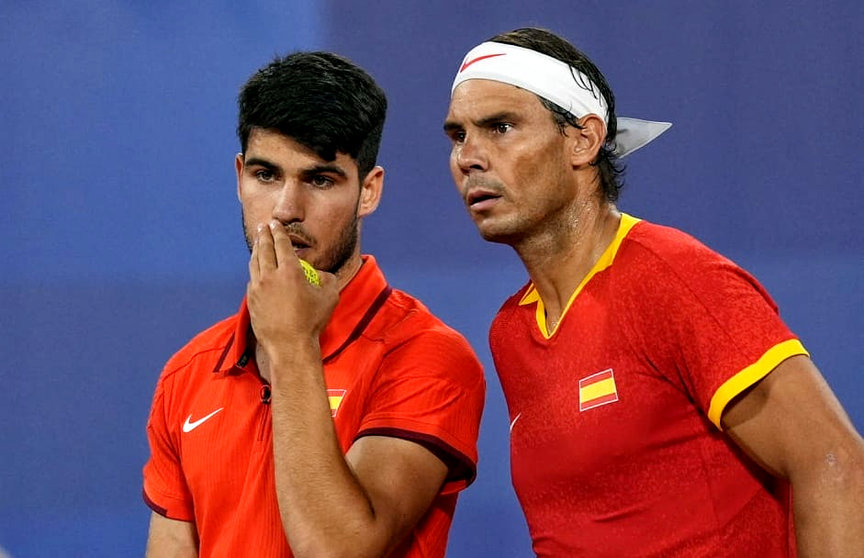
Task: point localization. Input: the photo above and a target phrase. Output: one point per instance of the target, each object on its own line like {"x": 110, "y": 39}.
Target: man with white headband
{"x": 658, "y": 404}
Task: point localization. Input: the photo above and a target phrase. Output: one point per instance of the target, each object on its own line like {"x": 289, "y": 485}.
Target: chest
{"x": 586, "y": 397}
{"x": 224, "y": 425}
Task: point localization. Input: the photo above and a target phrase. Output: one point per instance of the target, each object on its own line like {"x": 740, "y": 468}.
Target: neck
{"x": 562, "y": 255}
{"x": 349, "y": 269}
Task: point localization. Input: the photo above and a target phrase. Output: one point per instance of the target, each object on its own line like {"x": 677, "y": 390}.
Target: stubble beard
{"x": 500, "y": 233}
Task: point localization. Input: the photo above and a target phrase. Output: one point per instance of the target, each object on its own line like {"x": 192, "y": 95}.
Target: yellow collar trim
{"x": 606, "y": 259}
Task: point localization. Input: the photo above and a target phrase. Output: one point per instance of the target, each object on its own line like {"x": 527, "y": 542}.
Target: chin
{"x": 500, "y": 230}
{"x": 492, "y": 235}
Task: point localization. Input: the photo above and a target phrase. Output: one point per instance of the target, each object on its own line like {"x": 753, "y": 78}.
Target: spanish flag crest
{"x": 597, "y": 389}
{"x": 335, "y": 397}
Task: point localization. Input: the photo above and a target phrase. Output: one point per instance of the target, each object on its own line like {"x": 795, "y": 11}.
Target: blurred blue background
{"x": 121, "y": 229}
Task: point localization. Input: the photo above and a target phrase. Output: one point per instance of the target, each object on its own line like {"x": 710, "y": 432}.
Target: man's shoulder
{"x": 659, "y": 249}
{"x": 416, "y": 344}
{"x": 659, "y": 262}
{"x": 404, "y": 318}
{"x": 204, "y": 349}
{"x": 410, "y": 315}
{"x": 400, "y": 316}
{"x": 663, "y": 240}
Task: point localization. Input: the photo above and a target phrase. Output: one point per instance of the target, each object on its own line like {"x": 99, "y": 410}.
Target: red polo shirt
{"x": 615, "y": 440}
{"x": 391, "y": 368}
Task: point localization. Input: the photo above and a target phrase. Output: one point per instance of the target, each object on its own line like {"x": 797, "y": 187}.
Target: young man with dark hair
{"x": 658, "y": 404}
{"x": 337, "y": 419}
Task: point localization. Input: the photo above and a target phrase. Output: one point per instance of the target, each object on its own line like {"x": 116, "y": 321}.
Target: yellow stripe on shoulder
{"x": 747, "y": 377}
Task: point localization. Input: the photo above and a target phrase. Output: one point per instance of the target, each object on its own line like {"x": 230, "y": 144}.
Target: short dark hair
{"x": 609, "y": 167}
{"x": 321, "y": 100}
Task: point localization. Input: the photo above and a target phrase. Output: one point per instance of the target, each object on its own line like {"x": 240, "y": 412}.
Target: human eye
{"x": 456, "y": 135}
{"x": 265, "y": 175}
{"x": 321, "y": 181}
{"x": 501, "y": 127}
{"x": 454, "y": 131}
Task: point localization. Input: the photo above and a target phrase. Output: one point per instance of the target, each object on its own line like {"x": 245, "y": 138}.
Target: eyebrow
{"x": 497, "y": 117}
{"x": 256, "y": 162}
{"x": 325, "y": 169}
{"x": 450, "y": 125}
{"x": 311, "y": 171}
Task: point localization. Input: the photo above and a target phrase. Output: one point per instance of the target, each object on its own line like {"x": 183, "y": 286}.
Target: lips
{"x": 298, "y": 242}
{"x": 480, "y": 199}
{"x": 298, "y": 236}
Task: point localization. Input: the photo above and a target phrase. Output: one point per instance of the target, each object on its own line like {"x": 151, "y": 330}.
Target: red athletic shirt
{"x": 391, "y": 369}
{"x": 616, "y": 447}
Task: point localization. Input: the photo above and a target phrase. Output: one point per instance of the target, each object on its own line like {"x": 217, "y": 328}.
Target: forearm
{"x": 169, "y": 538}
{"x": 324, "y": 509}
{"x": 829, "y": 507}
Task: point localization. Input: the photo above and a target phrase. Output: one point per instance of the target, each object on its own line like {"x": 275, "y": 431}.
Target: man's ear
{"x": 370, "y": 192}
{"x": 587, "y": 141}
{"x": 238, "y": 167}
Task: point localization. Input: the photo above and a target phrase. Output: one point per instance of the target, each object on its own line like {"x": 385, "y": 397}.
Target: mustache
{"x": 475, "y": 182}
{"x": 296, "y": 232}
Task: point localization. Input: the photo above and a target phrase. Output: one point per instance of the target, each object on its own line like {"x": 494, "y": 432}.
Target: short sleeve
{"x": 431, "y": 390}
{"x": 712, "y": 328}
{"x": 165, "y": 490}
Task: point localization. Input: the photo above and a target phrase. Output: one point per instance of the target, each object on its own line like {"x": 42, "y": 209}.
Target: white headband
{"x": 553, "y": 79}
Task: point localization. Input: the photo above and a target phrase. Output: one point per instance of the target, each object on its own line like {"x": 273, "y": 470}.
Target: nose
{"x": 288, "y": 206}
{"x": 469, "y": 155}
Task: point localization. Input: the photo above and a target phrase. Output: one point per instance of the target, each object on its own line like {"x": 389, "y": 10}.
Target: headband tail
{"x": 634, "y": 133}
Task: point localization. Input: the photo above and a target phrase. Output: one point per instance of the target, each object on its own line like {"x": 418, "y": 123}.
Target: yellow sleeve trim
{"x": 606, "y": 259}
{"x": 735, "y": 385}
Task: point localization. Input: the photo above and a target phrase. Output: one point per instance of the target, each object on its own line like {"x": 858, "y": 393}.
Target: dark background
{"x": 121, "y": 230}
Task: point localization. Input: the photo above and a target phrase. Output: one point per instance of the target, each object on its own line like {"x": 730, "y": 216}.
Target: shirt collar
{"x": 532, "y": 295}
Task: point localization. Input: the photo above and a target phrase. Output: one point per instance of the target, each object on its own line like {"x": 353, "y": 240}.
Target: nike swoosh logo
{"x": 478, "y": 59}
{"x": 512, "y": 424}
{"x": 190, "y": 426}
